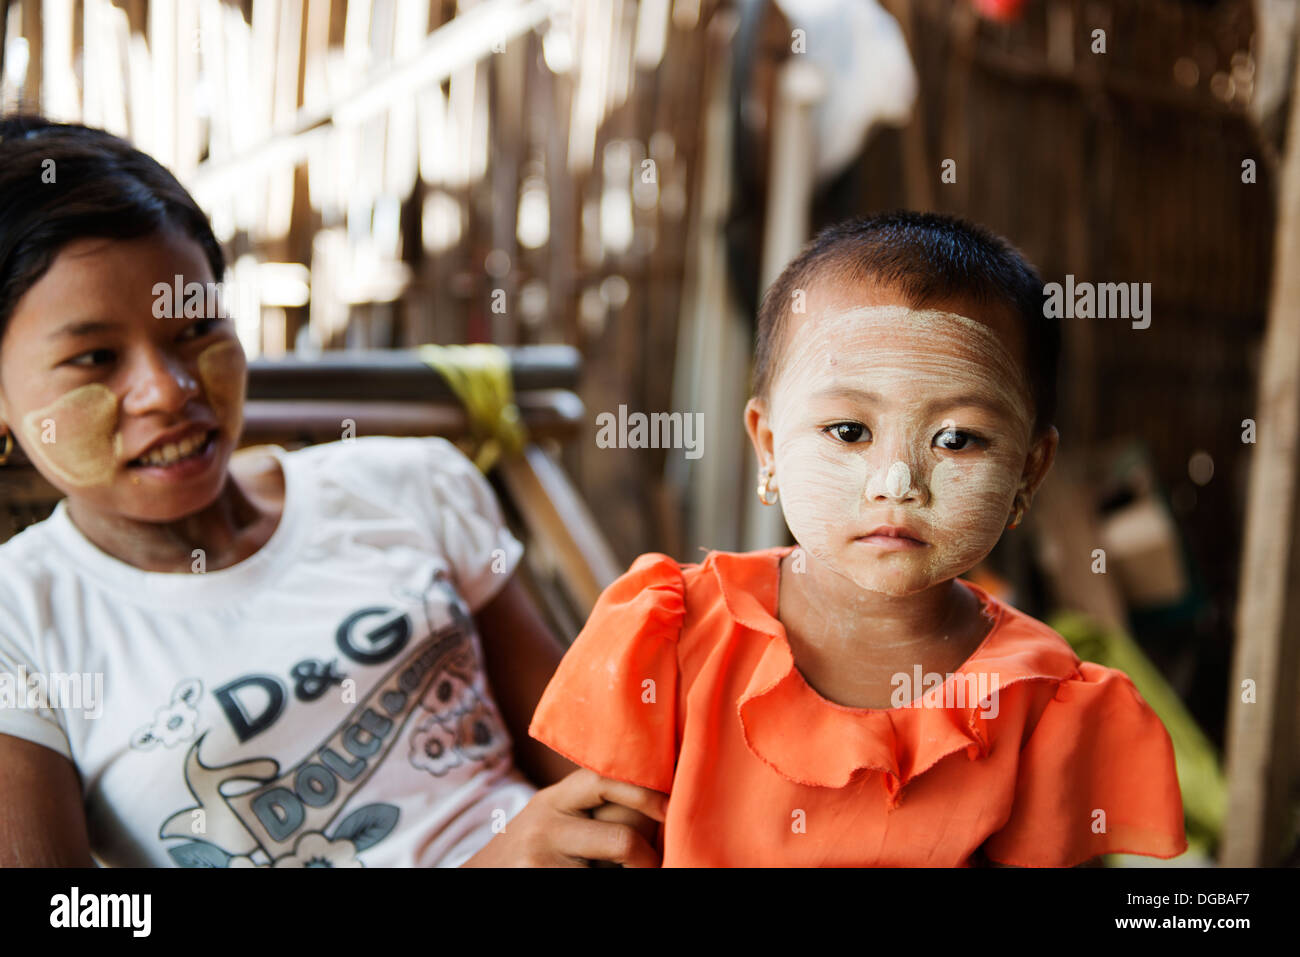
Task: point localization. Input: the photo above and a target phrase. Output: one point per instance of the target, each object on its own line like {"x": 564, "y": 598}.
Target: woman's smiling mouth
{"x": 180, "y": 459}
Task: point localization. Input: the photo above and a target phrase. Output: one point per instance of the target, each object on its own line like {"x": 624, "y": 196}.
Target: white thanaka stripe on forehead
{"x": 858, "y": 332}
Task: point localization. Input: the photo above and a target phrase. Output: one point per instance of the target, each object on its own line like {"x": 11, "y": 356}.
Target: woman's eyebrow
{"x": 85, "y": 327}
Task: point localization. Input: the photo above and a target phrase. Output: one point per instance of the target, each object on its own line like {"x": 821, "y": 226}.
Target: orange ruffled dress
{"x": 683, "y": 681}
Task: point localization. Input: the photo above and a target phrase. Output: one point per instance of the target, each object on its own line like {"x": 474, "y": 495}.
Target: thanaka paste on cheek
{"x": 222, "y": 368}
{"x": 833, "y": 492}
{"x": 85, "y": 446}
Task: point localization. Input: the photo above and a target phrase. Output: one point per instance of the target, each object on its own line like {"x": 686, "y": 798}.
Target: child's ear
{"x": 760, "y": 431}
{"x": 1039, "y": 463}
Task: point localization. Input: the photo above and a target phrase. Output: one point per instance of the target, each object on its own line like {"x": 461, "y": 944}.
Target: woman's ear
{"x": 760, "y": 431}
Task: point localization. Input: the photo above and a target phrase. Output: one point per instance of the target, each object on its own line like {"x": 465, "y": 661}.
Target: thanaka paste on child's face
{"x": 913, "y": 362}
{"x": 76, "y": 437}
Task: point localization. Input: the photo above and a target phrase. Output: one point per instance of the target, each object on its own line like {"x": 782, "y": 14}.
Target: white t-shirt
{"x": 322, "y": 703}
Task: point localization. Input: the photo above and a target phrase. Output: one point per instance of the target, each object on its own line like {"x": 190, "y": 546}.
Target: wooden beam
{"x": 1261, "y": 736}
{"x": 462, "y": 41}
{"x": 33, "y": 31}
{"x": 555, "y": 513}
{"x": 397, "y": 374}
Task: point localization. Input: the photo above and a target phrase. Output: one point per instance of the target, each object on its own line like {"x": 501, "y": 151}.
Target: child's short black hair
{"x": 925, "y": 257}
{"x": 62, "y": 181}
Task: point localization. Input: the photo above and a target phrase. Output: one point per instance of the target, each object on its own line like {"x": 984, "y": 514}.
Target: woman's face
{"x": 887, "y": 416}
{"x": 124, "y": 412}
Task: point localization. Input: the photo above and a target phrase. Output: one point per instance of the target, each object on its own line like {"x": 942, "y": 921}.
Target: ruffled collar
{"x": 812, "y": 741}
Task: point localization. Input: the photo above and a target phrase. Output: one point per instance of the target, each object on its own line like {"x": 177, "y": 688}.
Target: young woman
{"x": 242, "y": 660}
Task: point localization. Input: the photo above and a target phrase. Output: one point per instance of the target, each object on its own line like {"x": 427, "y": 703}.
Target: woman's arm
{"x": 42, "y": 820}
{"x": 521, "y": 654}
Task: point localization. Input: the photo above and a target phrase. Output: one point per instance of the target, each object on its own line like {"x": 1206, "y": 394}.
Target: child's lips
{"x": 892, "y": 537}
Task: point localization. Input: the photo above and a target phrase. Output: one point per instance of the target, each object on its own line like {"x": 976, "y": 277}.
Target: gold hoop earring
{"x": 1018, "y": 515}
{"x": 9, "y": 448}
{"x": 766, "y": 494}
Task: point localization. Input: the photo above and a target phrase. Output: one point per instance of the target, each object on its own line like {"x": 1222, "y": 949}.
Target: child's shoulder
{"x": 716, "y": 575}
{"x": 1023, "y": 630}
{"x": 703, "y": 600}
{"x": 1069, "y": 687}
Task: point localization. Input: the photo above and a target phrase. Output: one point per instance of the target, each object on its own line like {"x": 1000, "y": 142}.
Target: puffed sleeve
{"x": 22, "y": 713}
{"x": 612, "y": 703}
{"x": 467, "y": 518}
{"x": 1097, "y": 776}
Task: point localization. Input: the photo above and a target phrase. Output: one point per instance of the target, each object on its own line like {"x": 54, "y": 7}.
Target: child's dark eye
{"x": 955, "y": 440}
{"x": 848, "y": 432}
{"x": 94, "y": 357}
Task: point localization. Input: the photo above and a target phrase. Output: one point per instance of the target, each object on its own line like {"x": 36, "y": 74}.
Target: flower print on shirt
{"x": 449, "y": 695}
{"x": 479, "y": 734}
{"x": 433, "y": 748}
{"x": 174, "y": 723}
{"x": 314, "y": 849}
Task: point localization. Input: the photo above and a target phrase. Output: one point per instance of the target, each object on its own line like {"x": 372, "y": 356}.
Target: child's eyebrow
{"x": 84, "y": 328}
{"x": 848, "y": 392}
{"x": 852, "y": 393}
{"x": 978, "y": 401}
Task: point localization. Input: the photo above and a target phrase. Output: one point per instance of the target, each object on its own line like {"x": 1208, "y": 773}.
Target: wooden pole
{"x": 791, "y": 179}
{"x": 1262, "y": 727}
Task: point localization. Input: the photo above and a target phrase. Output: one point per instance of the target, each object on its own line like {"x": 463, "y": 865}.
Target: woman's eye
{"x": 94, "y": 357}
{"x": 196, "y": 329}
{"x": 955, "y": 440}
{"x": 848, "y": 431}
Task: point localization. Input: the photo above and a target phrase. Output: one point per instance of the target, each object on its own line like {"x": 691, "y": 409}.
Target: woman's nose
{"x": 159, "y": 383}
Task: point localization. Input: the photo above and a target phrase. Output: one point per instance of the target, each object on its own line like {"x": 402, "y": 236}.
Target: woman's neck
{"x": 236, "y": 524}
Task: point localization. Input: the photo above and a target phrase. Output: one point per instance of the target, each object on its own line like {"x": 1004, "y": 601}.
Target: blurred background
{"x": 624, "y": 178}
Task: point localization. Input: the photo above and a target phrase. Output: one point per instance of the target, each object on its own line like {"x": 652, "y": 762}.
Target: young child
{"x": 851, "y": 701}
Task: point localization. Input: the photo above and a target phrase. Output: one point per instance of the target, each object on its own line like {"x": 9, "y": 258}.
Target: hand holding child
{"x": 555, "y": 830}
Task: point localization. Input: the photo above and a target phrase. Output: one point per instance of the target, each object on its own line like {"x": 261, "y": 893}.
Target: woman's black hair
{"x": 61, "y": 181}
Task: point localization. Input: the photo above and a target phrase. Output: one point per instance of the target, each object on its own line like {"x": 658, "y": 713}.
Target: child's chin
{"x": 896, "y": 583}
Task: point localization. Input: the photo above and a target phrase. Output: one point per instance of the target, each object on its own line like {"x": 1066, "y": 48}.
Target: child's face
{"x": 91, "y": 380}
{"x": 880, "y": 415}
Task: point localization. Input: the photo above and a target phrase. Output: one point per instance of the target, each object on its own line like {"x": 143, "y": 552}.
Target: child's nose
{"x": 895, "y": 481}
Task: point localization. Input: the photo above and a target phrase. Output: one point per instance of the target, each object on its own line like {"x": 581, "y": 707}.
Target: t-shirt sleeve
{"x": 1097, "y": 776}
{"x": 612, "y": 703}
{"x": 467, "y": 520}
{"x": 23, "y": 713}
